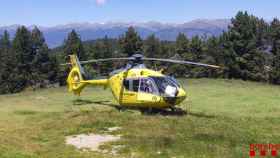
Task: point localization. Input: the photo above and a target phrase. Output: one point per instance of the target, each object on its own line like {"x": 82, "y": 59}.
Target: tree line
{"x": 248, "y": 50}
{"x": 25, "y": 61}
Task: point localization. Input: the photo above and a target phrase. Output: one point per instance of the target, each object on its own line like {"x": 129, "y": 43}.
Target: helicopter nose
{"x": 181, "y": 96}
{"x": 177, "y": 99}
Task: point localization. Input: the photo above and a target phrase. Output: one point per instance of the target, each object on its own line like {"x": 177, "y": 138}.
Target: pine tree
{"x": 197, "y": 54}
{"x": 244, "y": 42}
{"x": 183, "y": 47}
{"x": 22, "y": 46}
{"x": 214, "y": 55}
{"x": 131, "y": 43}
{"x": 44, "y": 69}
{"x": 275, "y": 36}
{"x": 197, "y": 48}
{"x": 108, "y": 53}
{"x": 108, "y": 50}
{"x": 22, "y": 51}
{"x": 152, "y": 47}
{"x": 5, "y": 48}
{"x": 182, "y": 52}
{"x": 73, "y": 45}
{"x": 102, "y": 49}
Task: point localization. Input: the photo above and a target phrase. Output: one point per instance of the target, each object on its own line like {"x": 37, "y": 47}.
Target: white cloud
{"x": 100, "y": 2}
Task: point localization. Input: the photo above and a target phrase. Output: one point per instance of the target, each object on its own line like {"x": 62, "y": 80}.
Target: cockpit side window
{"x": 145, "y": 85}
{"x": 131, "y": 84}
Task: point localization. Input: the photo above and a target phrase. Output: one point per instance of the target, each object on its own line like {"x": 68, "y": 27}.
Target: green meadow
{"x": 223, "y": 117}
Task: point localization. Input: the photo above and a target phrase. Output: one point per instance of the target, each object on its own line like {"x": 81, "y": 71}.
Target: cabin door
{"x": 148, "y": 91}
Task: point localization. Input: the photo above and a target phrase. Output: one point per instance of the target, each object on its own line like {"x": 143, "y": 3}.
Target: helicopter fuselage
{"x": 133, "y": 86}
{"x": 142, "y": 87}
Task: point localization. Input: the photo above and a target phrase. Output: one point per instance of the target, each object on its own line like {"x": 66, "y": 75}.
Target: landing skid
{"x": 175, "y": 109}
{"x": 171, "y": 111}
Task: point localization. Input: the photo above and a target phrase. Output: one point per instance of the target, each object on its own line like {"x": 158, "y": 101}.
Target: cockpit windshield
{"x": 172, "y": 79}
{"x": 166, "y": 85}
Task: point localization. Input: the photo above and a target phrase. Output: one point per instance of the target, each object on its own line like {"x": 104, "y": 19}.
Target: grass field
{"x": 224, "y": 117}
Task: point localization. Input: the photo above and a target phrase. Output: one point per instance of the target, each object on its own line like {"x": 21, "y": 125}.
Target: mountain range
{"x": 165, "y": 31}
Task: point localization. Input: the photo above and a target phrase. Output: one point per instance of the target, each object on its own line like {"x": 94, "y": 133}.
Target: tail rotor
{"x": 75, "y": 77}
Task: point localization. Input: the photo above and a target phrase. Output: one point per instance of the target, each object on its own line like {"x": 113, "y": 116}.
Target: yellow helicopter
{"x": 134, "y": 86}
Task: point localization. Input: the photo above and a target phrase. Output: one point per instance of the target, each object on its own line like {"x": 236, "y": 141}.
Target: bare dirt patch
{"x": 112, "y": 129}
{"x": 91, "y": 141}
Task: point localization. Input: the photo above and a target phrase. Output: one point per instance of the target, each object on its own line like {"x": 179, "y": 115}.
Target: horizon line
{"x": 114, "y": 21}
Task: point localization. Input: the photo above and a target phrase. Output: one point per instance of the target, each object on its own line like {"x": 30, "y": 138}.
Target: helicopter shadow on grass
{"x": 179, "y": 112}
{"x": 83, "y": 102}
{"x": 201, "y": 115}
{"x": 163, "y": 112}
{"x": 144, "y": 111}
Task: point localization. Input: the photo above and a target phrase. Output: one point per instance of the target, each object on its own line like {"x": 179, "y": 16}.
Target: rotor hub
{"x": 137, "y": 59}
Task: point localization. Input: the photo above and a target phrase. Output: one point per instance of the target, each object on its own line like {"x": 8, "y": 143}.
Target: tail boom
{"x": 75, "y": 80}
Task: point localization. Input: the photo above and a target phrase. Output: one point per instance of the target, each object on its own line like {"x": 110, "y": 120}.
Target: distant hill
{"x": 165, "y": 31}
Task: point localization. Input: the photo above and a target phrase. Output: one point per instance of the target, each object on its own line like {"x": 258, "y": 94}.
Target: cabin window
{"x": 131, "y": 84}
{"x": 147, "y": 85}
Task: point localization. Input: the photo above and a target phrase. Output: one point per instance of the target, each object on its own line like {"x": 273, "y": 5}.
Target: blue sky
{"x": 54, "y": 12}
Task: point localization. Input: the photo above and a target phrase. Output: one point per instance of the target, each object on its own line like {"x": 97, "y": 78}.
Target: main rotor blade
{"x": 98, "y": 60}
{"x": 103, "y": 60}
{"x": 181, "y": 62}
